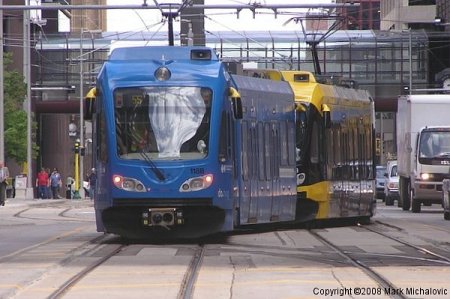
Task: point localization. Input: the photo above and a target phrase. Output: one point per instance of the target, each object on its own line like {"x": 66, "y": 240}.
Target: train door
{"x": 367, "y": 196}
{"x": 334, "y": 163}
{"x": 273, "y": 151}
{"x": 346, "y": 172}
{"x": 248, "y": 187}
{"x": 228, "y": 161}
{"x": 362, "y": 166}
{"x": 284, "y": 197}
{"x": 264, "y": 160}
{"x": 353, "y": 182}
{"x": 244, "y": 186}
{"x": 253, "y": 173}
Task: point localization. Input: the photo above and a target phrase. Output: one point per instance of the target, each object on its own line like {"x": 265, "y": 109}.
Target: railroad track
{"x": 65, "y": 287}
{"x": 386, "y": 286}
{"x": 113, "y": 247}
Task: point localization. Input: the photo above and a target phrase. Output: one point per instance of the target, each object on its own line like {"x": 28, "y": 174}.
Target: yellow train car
{"x": 335, "y": 146}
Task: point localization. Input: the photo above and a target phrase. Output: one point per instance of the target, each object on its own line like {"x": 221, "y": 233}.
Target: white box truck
{"x": 423, "y": 149}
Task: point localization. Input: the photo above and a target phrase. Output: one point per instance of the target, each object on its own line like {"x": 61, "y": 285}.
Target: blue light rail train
{"x": 185, "y": 149}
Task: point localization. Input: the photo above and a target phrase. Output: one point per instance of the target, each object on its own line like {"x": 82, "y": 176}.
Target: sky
{"x": 222, "y": 20}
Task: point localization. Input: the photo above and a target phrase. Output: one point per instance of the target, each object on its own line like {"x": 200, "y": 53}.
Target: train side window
{"x": 224, "y": 140}
{"x": 351, "y": 153}
{"x": 253, "y": 152}
{"x": 370, "y": 152}
{"x": 330, "y": 150}
{"x": 102, "y": 154}
{"x": 314, "y": 151}
{"x": 268, "y": 152}
{"x": 361, "y": 155}
{"x": 338, "y": 154}
{"x": 261, "y": 151}
{"x": 356, "y": 146}
{"x": 291, "y": 143}
{"x": 283, "y": 144}
{"x": 345, "y": 156}
{"x": 275, "y": 148}
{"x": 245, "y": 156}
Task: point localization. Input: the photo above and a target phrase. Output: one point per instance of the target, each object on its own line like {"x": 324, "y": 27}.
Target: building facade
{"x": 381, "y": 61}
{"x": 365, "y": 16}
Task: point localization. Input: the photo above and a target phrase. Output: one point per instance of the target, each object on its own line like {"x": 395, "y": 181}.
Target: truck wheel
{"x": 389, "y": 201}
{"x": 447, "y": 215}
{"x": 416, "y": 205}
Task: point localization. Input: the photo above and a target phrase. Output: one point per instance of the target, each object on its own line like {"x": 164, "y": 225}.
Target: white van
{"x": 391, "y": 183}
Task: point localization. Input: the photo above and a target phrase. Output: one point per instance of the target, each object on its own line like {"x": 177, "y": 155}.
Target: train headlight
{"x": 162, "y": 74}
{"x": 128, "y": 184}
{"x": 197, "y": 183}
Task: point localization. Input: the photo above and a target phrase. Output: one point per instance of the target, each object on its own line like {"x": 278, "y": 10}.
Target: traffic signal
{"x": 76, "y": 147}
{"x": 378, "y": 146}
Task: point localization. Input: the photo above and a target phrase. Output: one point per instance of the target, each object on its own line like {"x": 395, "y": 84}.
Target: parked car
{"x": 381, "y": 170}
{"x": 391, "y": 183}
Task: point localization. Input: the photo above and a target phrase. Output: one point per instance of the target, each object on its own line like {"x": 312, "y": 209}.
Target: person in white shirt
{"x": 4, "y": 175}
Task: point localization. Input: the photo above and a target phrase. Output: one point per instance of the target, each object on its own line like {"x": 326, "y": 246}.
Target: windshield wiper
{"x": 153, "y": 167}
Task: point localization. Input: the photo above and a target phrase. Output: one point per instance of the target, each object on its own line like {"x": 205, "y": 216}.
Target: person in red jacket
{"x": 42, "y": 184}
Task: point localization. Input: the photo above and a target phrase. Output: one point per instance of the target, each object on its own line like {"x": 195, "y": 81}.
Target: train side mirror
{"x": 89, "y": 104}
{"x": 326, "y": 115}
{"x": 236, "y": 102}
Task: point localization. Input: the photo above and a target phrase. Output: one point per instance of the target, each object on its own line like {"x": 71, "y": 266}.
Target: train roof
{"x": 135, "y": 65}
{"x": 163, "y": 53}
{"x": 308, "y": 88}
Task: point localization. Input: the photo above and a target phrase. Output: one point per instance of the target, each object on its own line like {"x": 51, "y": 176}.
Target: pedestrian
{"x": 42, "y": 183}
{"x": 55, "y": 183}
{"x": 49, "y": 189}
{"x": 4, "y": 175}
{"x": 92, "y": 179}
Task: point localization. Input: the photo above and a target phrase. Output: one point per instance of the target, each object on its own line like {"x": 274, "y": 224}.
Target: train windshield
{"x": 162, "y": 122}
{"x": 435, "y": 144}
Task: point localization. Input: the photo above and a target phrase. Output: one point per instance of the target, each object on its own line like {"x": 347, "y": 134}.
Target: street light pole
{"x": 410, "y": 61}
{"x": 27, "y": 75}
{"x": 81, "y": 112}
{"x": 79, "y": 193}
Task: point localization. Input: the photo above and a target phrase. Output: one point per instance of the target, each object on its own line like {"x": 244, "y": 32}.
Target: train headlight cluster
{"x": 197, "y": 183}
{"x": 128, "y": 184}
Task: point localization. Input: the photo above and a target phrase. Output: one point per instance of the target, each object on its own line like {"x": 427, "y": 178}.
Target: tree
{"x": 15, "y": 118}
